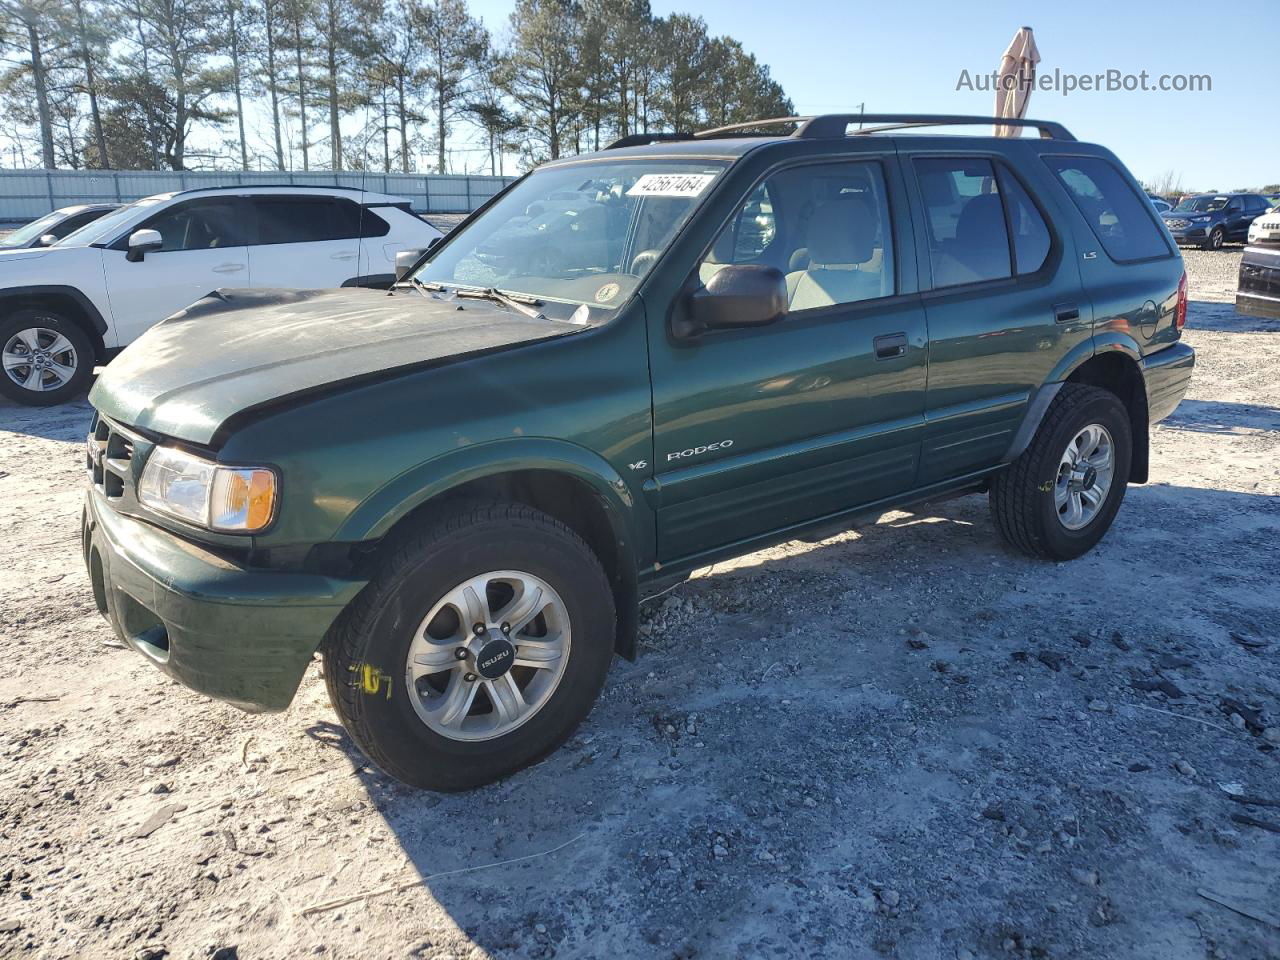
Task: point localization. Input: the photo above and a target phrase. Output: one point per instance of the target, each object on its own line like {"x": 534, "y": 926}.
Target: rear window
{"x": 1123, "y": 221}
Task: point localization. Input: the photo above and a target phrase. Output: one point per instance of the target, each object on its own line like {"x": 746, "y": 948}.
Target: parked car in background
{"x": 1258, "y": 288}
{"x": 52, "y": 227}
{"x": 458, "y": 493}
{"x": 67, "y": 307}
{"x": 1159, "y": 203}
{"x": 1210, "y": 220}
{"x": 1265, "y": 228}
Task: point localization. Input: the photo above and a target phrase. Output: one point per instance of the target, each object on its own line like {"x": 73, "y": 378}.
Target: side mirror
{"x": 739, "y": 295}
{"x": 47, "y": 240}
{"x": 405, "y": 260}
{"x": 142, "y": 242}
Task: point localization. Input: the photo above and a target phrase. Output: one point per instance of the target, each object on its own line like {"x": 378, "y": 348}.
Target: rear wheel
{"x": 46, "y": 358}
{"x": 477, "y": 648}
{"x": 1060, "y": 496}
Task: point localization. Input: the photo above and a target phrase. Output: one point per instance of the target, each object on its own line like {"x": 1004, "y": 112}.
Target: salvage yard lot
{"x": 904, "y": 741}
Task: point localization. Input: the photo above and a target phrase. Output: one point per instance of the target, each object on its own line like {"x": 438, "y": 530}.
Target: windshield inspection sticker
{"x": 607, "y": 292}
{"x": 670, "y": 184}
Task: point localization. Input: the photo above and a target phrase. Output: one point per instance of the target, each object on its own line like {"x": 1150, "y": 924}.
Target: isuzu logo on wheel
{"x": 696, "y": 451}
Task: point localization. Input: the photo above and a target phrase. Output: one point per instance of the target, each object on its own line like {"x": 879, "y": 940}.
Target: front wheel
{"x": 479, "y": 645}
{"x": 1060, "y": 496}
{"x": 47, "y": 359}
{"x": 1217, "y": 237}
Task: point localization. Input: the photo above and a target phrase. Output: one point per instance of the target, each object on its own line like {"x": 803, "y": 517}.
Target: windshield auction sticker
{"x": 671, "y": 184}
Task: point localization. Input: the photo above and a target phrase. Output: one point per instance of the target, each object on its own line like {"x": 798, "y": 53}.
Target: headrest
{"x": 842, "y": 231}
{"x": 981, "y": 219}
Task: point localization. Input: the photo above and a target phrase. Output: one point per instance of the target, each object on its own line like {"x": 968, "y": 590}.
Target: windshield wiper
{"x": 519, "y": 302}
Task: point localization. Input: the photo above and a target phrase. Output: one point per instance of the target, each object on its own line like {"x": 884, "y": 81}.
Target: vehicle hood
{"x": 14, "y": 254}
{"x": 1191, "y": 214}
{"x": 240, "y": 351}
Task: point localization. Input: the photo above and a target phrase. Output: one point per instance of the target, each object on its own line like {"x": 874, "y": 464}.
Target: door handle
{"x": 1065, "y": 312}
{"x": 342, "y": 256}
{"x": 228, "y": 268}
{"x": 890, "y": 345}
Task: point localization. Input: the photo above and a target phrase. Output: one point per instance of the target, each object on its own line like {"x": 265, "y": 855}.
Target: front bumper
{"x": 1189, "y": 235}
{"x": 1258, "y": 291}
{"x": 1167, "y": 374}
{"x": 236, "y": 633}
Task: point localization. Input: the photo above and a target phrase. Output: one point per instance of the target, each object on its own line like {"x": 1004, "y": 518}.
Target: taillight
{"x": 1180, "y": 312}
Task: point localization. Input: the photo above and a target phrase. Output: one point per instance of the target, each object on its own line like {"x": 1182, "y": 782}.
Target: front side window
{"x": 199, "y": 225}
{"x": 825, "y": 226}
{"x": 583, "y": 233}
{"x": 1119, "y": 217}
{"x": 968, "y": 236}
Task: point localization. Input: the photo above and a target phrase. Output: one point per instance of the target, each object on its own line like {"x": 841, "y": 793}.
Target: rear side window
{"x": 968, "y": 236}
{"x": 1121, "y": 220}
{"x": 286, "y": 219}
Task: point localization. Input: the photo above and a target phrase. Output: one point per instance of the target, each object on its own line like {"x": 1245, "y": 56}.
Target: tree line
{"x": 386, "y": 85}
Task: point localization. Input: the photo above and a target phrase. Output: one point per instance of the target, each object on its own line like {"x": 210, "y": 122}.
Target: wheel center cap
{"x": 495, "y": 658}
{"x": 1090, "y": 478}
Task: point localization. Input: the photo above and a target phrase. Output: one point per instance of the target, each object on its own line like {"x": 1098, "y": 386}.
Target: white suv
{"x": 67, "y": 307}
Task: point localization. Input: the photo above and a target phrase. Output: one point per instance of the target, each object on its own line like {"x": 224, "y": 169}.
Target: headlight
{"x": 199, "y": 491}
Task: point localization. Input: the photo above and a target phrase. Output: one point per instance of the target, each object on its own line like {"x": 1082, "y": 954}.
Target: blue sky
{"x": 907, "y": 55}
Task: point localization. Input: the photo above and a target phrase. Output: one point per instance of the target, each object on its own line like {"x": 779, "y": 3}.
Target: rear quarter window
{"x": 1123, "y": 221}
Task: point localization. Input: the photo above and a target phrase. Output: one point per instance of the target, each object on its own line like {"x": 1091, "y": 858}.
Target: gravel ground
{"x": 903, "y": 741}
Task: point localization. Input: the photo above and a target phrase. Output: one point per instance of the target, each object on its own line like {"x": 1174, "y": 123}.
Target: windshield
{"x": 1202, "y": 204}
{"x": 580, "y": 234}
{"x": 106, "y": 227}
{"x": 36, "y": 228}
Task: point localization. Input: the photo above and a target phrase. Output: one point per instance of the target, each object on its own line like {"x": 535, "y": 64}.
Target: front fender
{"x": 379, "y": 512}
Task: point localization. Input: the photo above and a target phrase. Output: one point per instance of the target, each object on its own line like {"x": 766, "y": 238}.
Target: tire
{"x": 1217, "y": 237}
{"x": 29, "y": 333}
{"x": 1025, "y": 498}
{"x": 366, "y": 656}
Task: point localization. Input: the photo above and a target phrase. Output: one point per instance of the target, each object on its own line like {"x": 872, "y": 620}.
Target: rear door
{"x": 304, "y": 241}
{"x": 1002, "y": 295}
{"x": 759, "y": 429}
{"x": 204, "y": 249}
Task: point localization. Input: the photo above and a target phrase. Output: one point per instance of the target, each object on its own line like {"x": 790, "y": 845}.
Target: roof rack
{"x": 837, "y": 125}
{"x": 273, "y": 186}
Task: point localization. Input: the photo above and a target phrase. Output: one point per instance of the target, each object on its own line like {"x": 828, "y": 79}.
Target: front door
{"x": 204, "y": 249}
{"x": 759, "y": 429}
{"x": 1003, "y": 301}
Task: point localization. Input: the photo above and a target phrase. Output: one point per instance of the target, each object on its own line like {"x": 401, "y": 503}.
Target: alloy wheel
{"x": 488, "y": 656}
{"x": 1085, "y": 474}
{"x": 39, "y": 359}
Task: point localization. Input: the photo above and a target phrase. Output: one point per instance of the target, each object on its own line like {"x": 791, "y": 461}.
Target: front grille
{"x": 1178, "y": 224}
{"x": 111, "y": 461}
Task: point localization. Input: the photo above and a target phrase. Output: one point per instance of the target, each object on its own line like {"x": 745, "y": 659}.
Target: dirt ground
{"x": 904, "y": 741}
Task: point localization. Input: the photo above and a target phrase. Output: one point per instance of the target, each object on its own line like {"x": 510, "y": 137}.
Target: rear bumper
{"x": 1167, "y": 374}
{"x": 1258, "y": 290}
{"x": 238, "y": 634}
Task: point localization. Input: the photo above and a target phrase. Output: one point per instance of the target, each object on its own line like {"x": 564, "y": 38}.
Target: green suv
{"x": 626, "y": 366}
